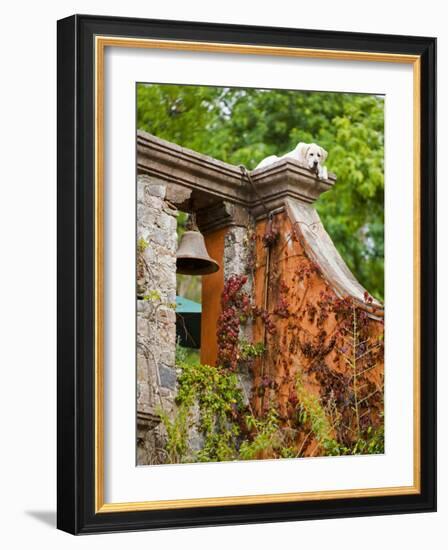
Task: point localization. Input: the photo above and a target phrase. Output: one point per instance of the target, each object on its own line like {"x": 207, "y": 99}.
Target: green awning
{"x": 188, "y": 322}
{"x": 184, "y": 305}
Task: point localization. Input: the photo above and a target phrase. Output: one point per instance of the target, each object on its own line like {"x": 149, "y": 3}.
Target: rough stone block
{"x": 177, "y": 194}
{"x": 156, "y": 190}
{"x": 167, "y": 376}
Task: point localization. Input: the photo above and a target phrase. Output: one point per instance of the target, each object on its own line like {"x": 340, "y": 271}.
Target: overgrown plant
{"x": 267, "y": 440}
{"x": 211, "y": 401}
{"x": 331, "y": 346}
{"x": 312, "y": 416}
{"x": 250, "y": 351}
{"x": 350, "y": 398}
{"x": 218, "y": 399}
{"x": 236, "y": 309}
{"x": 177, "y": 428}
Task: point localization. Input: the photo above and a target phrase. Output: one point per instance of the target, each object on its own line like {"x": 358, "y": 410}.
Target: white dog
{"x": 310, "y": 155}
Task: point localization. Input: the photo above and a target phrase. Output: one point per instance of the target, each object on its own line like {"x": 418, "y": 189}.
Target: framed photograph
{"x": 246, "y": 274}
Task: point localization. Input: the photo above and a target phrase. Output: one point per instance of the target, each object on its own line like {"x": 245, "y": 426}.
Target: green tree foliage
{"x": 246, "y": 125}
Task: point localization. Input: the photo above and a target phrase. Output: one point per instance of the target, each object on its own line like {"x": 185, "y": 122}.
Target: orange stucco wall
{"x": 294, "y": 281}
{"x": 212, "y": 286}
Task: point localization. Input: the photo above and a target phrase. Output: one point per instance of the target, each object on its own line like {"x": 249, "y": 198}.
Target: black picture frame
{"x": 76, "y": 254}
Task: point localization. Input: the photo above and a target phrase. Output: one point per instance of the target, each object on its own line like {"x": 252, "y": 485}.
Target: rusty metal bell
{"x": 192, "y": 257}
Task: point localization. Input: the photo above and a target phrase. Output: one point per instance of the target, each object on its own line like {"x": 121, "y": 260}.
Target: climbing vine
{"x": 228, "y": 427}
{"x": 236, "y": 309}
{"x": 317, "y": 388}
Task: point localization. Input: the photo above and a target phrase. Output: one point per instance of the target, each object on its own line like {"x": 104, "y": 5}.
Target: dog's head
{"x": 315, "y": 156}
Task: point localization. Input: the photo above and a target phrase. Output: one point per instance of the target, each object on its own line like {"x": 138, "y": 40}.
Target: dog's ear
{"x": 323, "y": 153}
{"x": 302, "y": 150}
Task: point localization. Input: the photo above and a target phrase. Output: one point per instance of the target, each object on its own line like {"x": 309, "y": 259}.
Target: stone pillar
{"x": 228, "y": 231}
{"x": 156, "y": 319}
{"x": 237, "y": 260}
{"x": 238, "y": 252}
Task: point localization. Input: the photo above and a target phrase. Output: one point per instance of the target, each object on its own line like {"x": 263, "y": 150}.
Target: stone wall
{"x": 156, "y": 321}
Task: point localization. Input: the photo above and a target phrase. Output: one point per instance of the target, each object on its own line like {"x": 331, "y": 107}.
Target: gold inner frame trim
{"x": 101, "y": 42}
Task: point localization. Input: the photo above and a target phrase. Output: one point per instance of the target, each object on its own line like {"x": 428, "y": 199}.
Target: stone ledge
{"x": 184, "y": 167}
{"x": 222, "y": 214}
{"x": 287, "y": 178}
{"x": 147, "y": 420}
{"x": 213, "y": 181}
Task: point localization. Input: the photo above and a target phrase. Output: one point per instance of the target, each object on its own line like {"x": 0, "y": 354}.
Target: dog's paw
{"x": 323, "y": 173}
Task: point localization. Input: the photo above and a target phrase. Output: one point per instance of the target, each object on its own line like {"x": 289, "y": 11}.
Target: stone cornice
{"x": 214, "y": 181}
{"x": 286, "y": 178}
{"x": 174, "y": 164}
